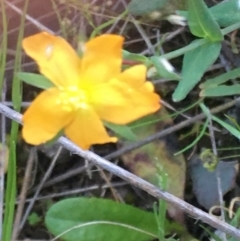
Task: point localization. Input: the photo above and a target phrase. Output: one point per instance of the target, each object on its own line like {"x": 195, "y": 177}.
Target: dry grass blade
{"x": 22, "y": 197}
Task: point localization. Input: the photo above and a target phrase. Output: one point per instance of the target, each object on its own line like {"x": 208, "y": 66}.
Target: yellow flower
{"x": 86, "y": 91}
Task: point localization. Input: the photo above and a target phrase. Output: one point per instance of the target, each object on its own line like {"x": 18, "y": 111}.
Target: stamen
{"x": 72, "y": 98}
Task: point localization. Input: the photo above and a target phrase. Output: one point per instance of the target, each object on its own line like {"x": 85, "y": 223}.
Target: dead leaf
{"x": 205, "y": 182}
{"x": 144, "y": 161}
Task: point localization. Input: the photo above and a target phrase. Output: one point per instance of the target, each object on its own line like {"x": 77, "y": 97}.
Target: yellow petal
{"x": 121, "y": 103}
{"x": 102, "y": 59}
{"x": 134, "y": 76}
{"x": 56, "y": 58}
{"x": 45, "y": 118}
{"x": 87, "y": 129}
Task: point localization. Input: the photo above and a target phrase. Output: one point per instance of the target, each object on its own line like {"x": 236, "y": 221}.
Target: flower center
{"x": 72, "y": 98}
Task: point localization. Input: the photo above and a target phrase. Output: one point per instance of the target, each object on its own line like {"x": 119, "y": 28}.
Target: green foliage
{"x": 235, "y": 222}
{"x": 221, "y": 90}
{"x": 160, "y": 210}
{"x": 16, "y": 93}
{"x": 204, "y": 23}
{"x": 135, "y": 57}
{"x": 97, "y": 219}
{"x": 195, "y": 63}
{"x": 214, "y": 82}
{"x": 162, "y": 70}
{"x": 201, "y": 22}
{"x": 212, "y": 87}
{"x": 89, "y": 219}
{"x": 139, "y": 7}
{"x": 235, "y": 132}
{"x": 123, "y": 131}
{"x": 199, "y": 136}
{"x": 34, "y": 219}
{"x": 36, "y": 80}
{"x": 10, "y": 195}
{"x": 228, "y": 127}
{"x": 3, "y": 44}
{"x": 226, "y": 13}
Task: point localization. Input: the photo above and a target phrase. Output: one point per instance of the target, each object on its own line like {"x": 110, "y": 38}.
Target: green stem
{"x": 198, "y": 43}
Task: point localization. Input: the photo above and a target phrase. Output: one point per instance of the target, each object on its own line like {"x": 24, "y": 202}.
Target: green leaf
{"x": 36, "y": 80}
{"x": 235, "y": 221}
{"x": 92, "y": 219}
{"x": 210, "y": 83}
{"x": 163, "y": 70}
{"x": 228, "y": 127}
{"x": 222, "y": 90}
{"x": 195, "y": 63}
{"x": 34, "y": 219}
{"x": 10, "y": 195}
{"x": 226, "y": 13}
{"x": 201, "y": 22}
{"x": 123, "y": 131}
{"x": 194, "y": 142}
{"x": 140, "y": 7}
{"x": 134, "y": 57}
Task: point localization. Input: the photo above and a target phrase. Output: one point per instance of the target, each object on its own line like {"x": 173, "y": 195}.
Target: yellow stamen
{"x": 72, "y": 98}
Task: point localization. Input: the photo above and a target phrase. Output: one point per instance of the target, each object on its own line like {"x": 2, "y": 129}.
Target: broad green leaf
{"x": 92, "y": 219}
{"x": 195, "y": 63}
{"x": 221, "y": 90}
{"x": 122, "y": 130}
{"x": 163, "y": 70}
{"x": 140, "y": 7}
{"x": 205, "y": 184}
{"x": 36, "y": 80}
{"x": 232, "y": 74}
{"x": 201, "y": 22}
{"x": 226, "y": 13}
